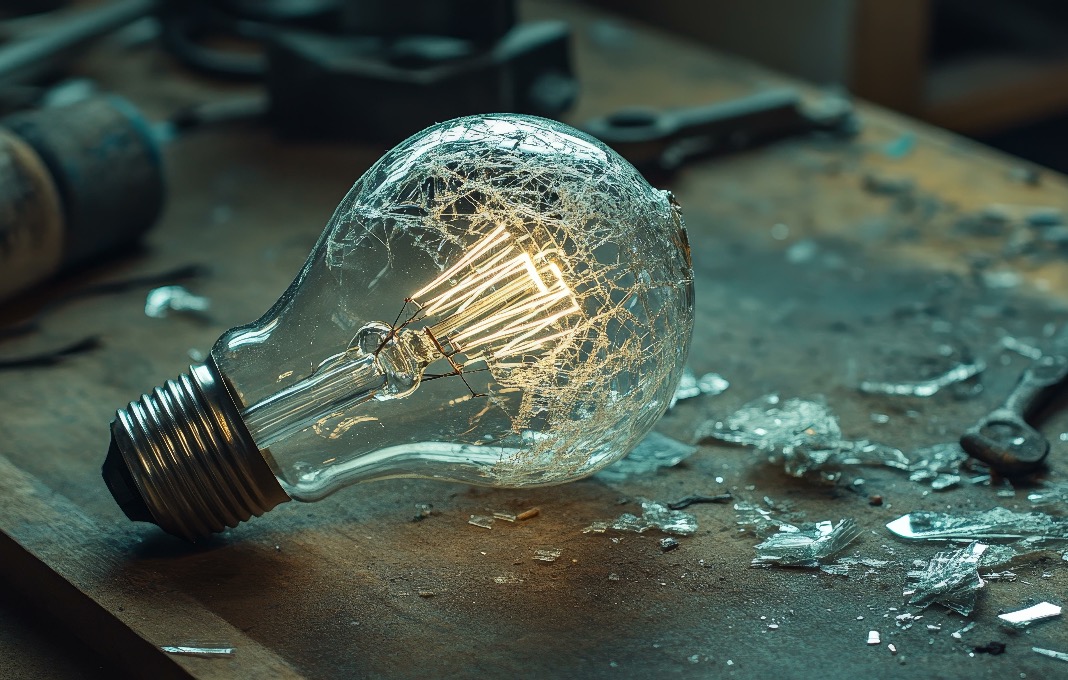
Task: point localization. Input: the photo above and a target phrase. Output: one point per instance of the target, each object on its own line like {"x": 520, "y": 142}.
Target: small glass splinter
{"x": 217, "y": 652}
{"x": 1025, "y": 617}
{"x": 806, "y": 546}
{"x": 951, "y": 578}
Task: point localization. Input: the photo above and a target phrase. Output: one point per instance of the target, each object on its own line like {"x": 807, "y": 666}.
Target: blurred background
{"x": 995, "y": 70}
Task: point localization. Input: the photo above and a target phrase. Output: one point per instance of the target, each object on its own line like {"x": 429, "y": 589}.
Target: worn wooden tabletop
{"x": 810, "y": 278}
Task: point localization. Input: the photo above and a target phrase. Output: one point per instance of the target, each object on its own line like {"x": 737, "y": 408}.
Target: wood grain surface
{"x": 855, "y": 284}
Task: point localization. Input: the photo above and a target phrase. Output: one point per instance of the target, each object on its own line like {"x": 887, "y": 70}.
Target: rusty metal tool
{"x": 662, "y": 140}
{"x": 1006, "y": 438}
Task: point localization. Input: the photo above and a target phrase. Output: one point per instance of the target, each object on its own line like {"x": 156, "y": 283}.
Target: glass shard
{"x": 654, "y": 516}
{"x": 422, "y": 511}
{"x": 906, "y": 620}
{"x": 504, "y": 516}
{"x": 926, "y": 388}
{"x": 1051, "y": 493}
{"x": 548, "y": 554}
{"x": 690, "y": 386}
{"x": 596, "y": 528}
{"x": 861, "y": 566}
{"x": 484, "y": 521}
{"x": 807, "y": 545}
{"x": 1050, "y": 653}
{"x": 166, "y": 299}
{"x": 803, "y": 435}
{"x": 652, "y": 453}
{"x": 959, "y": 633}
{"x": 213, "y": 652}
{"x": 762, "y": 520}
{"x": 1025, "y": 617}
{"x": 950, "y": 578}
{"x": 996, "y": 524}
{"x": 507, "y": 578}
{"x": 938, "y": 465}
{"x": 668, "y": 544}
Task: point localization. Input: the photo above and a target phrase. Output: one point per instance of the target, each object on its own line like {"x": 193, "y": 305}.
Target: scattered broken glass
{"x": 668, "y": 544}
{"x": 845, "y": 566}
{"x": 657, "y": 516}
{"x": 996, "y": 524}
{"x": 212, "y": 652}
{"x": 998, "y": 555}
{"x": 804, "y": 435}
{"x": 1025, "y": 617}
{"x": 938, "y": 464}
{"x": 1050, "y": 653}
{"x": 484, "y": 521}
{"x": 690, "y": 386}
{"x": 769, "y": 424}
{"x": 1050, "y": 493}
{"x": 548, "y": 554}
{"x": 652, "y": 453}
{"x": 926, "y": 388}
{"x": 806, "y": 545}
{"x": 950, "y": 578}
{"x": 1020, "y": 347}
{"x": 906, "y": 620}
{"x": 762, "y": 520}
{"x": 596, "y": 528}
{"x": 166, "y": 299}
{"x": 960, "y": 633}
{"x": 507, "y": 578}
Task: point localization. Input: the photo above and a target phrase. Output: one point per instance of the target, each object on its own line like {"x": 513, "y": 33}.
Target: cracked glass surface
{"x": 530, "y": 292}
{"x": 950, "y": 578}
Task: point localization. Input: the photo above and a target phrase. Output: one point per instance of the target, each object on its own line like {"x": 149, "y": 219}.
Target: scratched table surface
{"x": 811, "y": 277}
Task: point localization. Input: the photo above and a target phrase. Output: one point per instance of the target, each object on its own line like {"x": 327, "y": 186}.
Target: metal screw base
{"x": 182, "y": 457}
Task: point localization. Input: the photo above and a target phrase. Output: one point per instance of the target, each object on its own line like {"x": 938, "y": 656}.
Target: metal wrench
{"x": 662, "y": 140}
{"x": 1006, "y": 439}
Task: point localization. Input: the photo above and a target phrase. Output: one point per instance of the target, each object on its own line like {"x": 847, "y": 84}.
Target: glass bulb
{"x": 500, "y": 300}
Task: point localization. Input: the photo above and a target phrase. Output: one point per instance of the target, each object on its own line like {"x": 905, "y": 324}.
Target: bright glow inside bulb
{"x": 499, "y": 300}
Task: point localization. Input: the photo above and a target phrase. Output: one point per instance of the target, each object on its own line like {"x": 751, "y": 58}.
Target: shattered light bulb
{"x": 500, "y": 300}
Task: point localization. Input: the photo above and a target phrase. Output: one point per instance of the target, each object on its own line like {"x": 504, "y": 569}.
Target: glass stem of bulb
{"x": 380, "y": 363}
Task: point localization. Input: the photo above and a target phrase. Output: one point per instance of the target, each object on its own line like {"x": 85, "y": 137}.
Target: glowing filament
{"x": 506, "y": 301}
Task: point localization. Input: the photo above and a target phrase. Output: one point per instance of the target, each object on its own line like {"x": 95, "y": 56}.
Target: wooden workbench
{"x": 878, "y": 285}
